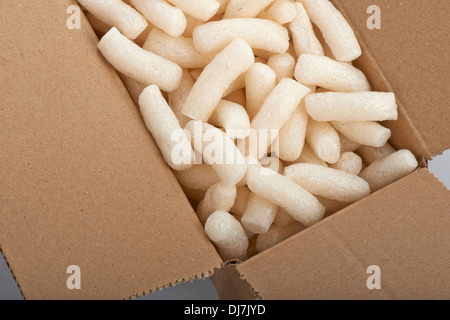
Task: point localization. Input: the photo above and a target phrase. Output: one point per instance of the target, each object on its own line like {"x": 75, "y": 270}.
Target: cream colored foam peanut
{"x": 335, "y": 29}
{"x": 178, "y": 97}
{"x": 137, "y": 63}
{"x": 260, "y": 81}
{"x": 215, "y": 79}
{"x": 180, "y": 50}
{"x": 283, "y": 64}
{"x": 162, "y": 124}
{"x": 230, "y": 167}
{"x": 228, "y": 235}
{"x": 390, "y": 169}
{"x": 324, "y": 141}
{"x": 218, "y": 198}
{"x": 233, "y": 118}
{"x": 371, "y": 154}
{"x": 258, "y": 33}
{"x": 276, "y": 111}
{"x": 367, "y": 133}
{"x": 277, "y": 234}
{"x": 162, "y": 15}
{"x": 293, "y": 134}
{"x": 328, "y": 183}
{"x": 308, "y": 156}
{"x": 199, "y": 177}
{"x": 357, "y": 106}
{"x": 118, "y": 14}
{"x": 245, "y": 8}
{"x": 303, "y": 36}
{"x": 259, "y": 214}
{"x": 285, "y": 193}
{"x": 348, "y": 145}
{"x": 349, "y": 162}
{"x": 281, "y": 11}
{"x": 242, "y": 195}
{"x": 330, "y": 74}
{"x": 200, "y": 9}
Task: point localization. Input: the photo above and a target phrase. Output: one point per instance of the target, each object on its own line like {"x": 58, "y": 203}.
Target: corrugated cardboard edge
{"x": 230, "y": 285}
{"x": 215, "y": 261}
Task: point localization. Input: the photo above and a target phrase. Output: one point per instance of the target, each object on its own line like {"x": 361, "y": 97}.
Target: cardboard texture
{"x": 82, "y": 182}
{"x": 403, "y": 230}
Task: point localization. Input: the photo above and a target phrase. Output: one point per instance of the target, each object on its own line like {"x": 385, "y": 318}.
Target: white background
{"x": 201, "y": 289}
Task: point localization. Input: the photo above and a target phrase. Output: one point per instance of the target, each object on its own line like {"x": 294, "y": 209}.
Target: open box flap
{"x": 403, "y": 229}
{"x": 411, "y": 51}
{"x": 82, "y": 182}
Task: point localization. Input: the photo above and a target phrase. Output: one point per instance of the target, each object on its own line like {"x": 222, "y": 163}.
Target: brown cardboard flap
{"x": 411, "y": 51}
{"x": 82, "y": 182}
{"x": 229, "y": 284}
{"x": 403, "y": 229}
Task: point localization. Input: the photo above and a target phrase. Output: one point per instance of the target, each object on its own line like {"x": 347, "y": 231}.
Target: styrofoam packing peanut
{"x": 292, "y": 135}
{"x": 242, "y": 195}
{"x": 228, "y": 235}
{"x": 162, "y": 15}
{"x": 263, "y": 54}
{"x": 198, "y": 177}
{"x": 216, "y": 78}
{"x": 275, "y": 112}
{"x": 258, "y": 33}
{"x": 200, "y": 9}
{"x": 303, "y": 36}
{"x": 283, "y": 219}
{"x": 367, "y": 133}
{"x": 281, "y": 11}
{"x": 245, "y": 8}
{"x": 348, "y": 145}
{"x": 283, "y": 64}
{"x": 357, "y": 106}
{"x": 291, "y": 50}
{"x": 285, "y": 193}
{"x": 390, "y": 169}
{"x": 330, "y": 74}
{"x": 349, "y": 162}
{"x": 162, "y": 123}
{"x": 116, "y": 13}
{"x": 218, "y": 198}
{"x": 332, "y": 206}
{"x": 259, "y": 214}
{"x": 233, "y": 118}
{"x": 335, "y": 29}
{"x": 308, "y": 156}
{"x": 323, "y": 140}
{"x": 371, "y": 154}
{"x": 137, "y": 63}
{"x": 178, "y": 97}
{"x": 328, "y": 183}
{"x": 276, "y": 235}
{"x": 229, "y": 173}
{"x": 260, "y": 81}
{"x": 237, "y": 84}
{"x": 238, "y": 97}
{"x": 180, "y": 50}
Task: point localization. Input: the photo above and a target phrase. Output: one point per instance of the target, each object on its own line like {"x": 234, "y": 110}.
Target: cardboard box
{"x": 82, "y": 182}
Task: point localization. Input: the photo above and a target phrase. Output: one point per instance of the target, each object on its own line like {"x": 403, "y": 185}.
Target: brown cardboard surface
{"x": 411, "y": 51}
{"x": 403, "y": 229}
{"x": 82, "y": 183}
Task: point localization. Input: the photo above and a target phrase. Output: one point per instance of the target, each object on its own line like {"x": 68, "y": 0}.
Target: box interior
{"x": 68, "y": 123}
